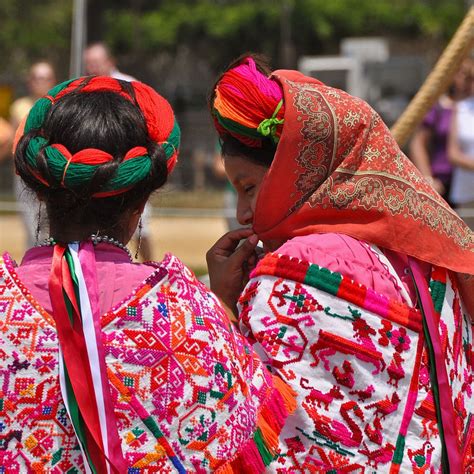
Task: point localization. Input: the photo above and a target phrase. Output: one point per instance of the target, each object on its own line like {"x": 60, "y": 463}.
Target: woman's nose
{"x": 244, "y": 214}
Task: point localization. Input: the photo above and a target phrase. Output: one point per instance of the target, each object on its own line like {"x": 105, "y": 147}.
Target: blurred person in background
{"x": 461, "y": 154}
{"x": 99, "y": 61}
{"x": 363, "y": 301}
{"x": 429, "y": 145}
{"x": 6, "y": 138}
{"x": 41, "y": 78}
{"x": 109, "y": 365}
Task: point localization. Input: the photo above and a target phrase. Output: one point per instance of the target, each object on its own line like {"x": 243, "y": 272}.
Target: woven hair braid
{"x": 92, "y": 153}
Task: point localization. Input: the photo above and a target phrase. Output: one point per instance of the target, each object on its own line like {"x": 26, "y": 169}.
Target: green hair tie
{"x": 268, "y": 127}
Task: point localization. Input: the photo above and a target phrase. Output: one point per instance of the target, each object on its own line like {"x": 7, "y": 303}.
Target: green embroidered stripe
{"x": 434, "y": 383}
{"x": 438, "y": 291}
{"x": 150, "y": 423}
{"x": 323, "y": 279}
{"x": 399, "y": 450}
{"x": 57, "y": 456}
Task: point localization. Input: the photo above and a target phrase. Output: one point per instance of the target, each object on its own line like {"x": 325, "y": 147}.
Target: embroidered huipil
{"x": 188, "y": 393}
{"x": 369, "y": 397}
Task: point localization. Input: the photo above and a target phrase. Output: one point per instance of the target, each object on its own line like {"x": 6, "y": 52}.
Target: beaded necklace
{"x": 95, "y": 239}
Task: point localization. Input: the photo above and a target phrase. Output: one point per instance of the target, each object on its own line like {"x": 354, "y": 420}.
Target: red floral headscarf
{"x": 337, "y": 168}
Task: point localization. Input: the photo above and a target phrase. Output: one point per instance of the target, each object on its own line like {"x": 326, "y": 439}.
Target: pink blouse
{"x": 118, "y": 277}
{"x": 354, "y": 259}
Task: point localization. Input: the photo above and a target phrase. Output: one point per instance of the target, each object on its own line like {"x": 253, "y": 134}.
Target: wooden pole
{"x": 437, "y": 81}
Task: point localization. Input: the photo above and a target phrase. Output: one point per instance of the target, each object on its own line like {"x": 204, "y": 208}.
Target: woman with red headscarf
{"x": 109, "y": 365}
{"x": 363, "y": 301}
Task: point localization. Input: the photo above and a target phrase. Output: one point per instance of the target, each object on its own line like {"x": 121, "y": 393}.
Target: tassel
{"x": 286, "y": 392}
{"x": 260, "y": 451}
{"x": 268, "y": 435}
{"x": 265, "y": 454}
{"x": 252, "y": 460}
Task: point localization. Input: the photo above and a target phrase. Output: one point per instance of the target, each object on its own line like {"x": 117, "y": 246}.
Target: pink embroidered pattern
{"x": 189, "y": 394}
{"x": 360, "y": 365}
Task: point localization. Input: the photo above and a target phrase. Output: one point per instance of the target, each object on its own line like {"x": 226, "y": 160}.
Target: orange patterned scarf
{"x": 338, "y": 169}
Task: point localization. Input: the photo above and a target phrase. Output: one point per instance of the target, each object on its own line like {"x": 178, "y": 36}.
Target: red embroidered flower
{"x": 400, "y": 339}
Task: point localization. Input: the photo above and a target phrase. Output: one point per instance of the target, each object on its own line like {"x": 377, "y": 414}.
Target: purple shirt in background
{"x": 438, "y": 120}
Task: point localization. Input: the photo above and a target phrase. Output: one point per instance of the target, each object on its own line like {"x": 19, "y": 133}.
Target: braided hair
{"x": 96, "y": 147}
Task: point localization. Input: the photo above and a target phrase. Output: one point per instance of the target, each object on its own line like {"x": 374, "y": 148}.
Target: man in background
{"x": 41, "y": 78}
{"x": 99, "y": 61}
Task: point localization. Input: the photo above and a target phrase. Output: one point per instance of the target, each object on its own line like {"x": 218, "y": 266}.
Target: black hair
{"x": 263, "y": 156}
{"x": 104, "y": 120}
{"x": 231, "y": 146}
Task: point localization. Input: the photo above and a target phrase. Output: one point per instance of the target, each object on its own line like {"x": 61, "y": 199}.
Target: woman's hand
{"x": 229, "y": 265}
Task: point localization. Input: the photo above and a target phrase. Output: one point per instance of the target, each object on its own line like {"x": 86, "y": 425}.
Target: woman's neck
{"x": 61, "y": 234}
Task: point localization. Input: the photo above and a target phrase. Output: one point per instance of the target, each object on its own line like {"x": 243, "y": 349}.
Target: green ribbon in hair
{"x": 268, "y": 127}
{"x": 41, "y": 107}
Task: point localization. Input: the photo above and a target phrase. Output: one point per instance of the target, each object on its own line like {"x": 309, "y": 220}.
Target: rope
{"x": 437, "y": 81}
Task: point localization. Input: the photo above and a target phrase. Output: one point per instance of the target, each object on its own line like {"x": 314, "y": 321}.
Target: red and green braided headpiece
{"x": 74, "y": 170}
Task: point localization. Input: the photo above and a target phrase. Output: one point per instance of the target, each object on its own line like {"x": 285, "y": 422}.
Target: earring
{"x": 140, "y": 226}
{"x": 38, "y": 224}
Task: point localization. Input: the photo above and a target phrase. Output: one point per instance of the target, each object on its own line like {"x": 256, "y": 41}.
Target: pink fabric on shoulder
{"x": 118, "y": 277}
{"x": 351, "y": 257}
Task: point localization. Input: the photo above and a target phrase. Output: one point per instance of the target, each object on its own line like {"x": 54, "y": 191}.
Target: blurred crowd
{"x": 443, "y": 146}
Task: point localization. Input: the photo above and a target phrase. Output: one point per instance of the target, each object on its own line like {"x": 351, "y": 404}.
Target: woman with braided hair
{"x": 109, "y": 365}
{"x": 363, "y": 302}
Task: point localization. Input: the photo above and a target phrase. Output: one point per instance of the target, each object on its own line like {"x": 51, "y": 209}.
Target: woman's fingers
{"x": 226, "y": 245}
{"x": 228, "y": 264}
{"x": 245, "y": 251}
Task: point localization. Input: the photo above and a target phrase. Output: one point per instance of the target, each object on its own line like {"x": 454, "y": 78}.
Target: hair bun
{"x": 76, "y": 170}
{"x": 248, "y": 104}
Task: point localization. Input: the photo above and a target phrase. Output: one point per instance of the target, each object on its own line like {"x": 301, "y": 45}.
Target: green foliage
{"x": 217, "y": 30}
{"x": 232, "y": 26}
{"x": 325, "y": 22}
{"x": 34, "y": 30}
{"x": 225, "y": 28}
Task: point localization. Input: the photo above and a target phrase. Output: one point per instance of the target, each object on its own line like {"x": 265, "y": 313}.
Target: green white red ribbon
{"x": 83, "y": 378}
